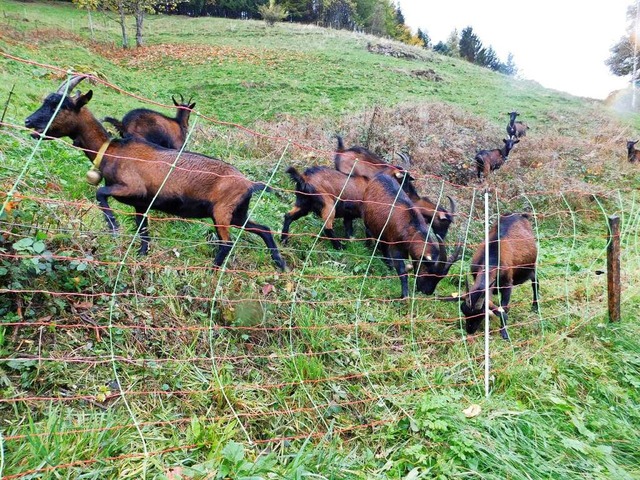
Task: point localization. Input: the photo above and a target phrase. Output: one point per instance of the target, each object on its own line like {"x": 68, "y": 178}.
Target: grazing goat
{"x": 633, "y": 155}
{"x": 512, "y": 261}
{"x": 511, "y": 126}
{"x": 436, "y": 216}
{"x": 156, "y": 127}
{"x": 329, "y": 194}
{"x": 144, "y": 175}
{"x": 490, "y": 160}
{"x": 358, "y": 161}
{"x": 390, "y": 215}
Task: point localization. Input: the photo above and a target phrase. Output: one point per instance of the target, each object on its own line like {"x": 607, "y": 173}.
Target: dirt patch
{"x": 428, "y": 74}
{"x": 396, "y": 50}
{"x": 153, "y": 55}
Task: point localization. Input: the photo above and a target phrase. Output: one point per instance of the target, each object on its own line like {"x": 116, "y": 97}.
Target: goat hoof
{"x": 504, "y": 334}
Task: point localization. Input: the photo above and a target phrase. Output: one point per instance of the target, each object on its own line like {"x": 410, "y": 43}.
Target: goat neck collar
{"x": 99, "y": 156}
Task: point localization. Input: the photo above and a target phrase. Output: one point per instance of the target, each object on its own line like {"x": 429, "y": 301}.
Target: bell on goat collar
{"x": 94, "y": 176}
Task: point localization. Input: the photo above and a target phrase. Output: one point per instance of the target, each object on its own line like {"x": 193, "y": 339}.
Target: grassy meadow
{"x": 116, "y": 366}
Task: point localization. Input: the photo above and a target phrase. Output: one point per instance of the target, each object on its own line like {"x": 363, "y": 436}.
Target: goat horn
{"x": 69, "y": 85}
{"x": 455, "y": 256}
{"x": 442, "y": 254}
{"x": 174, "y": 101}
{"x": 467, "y": 292}
{"x": 452, "y": 206}
{"x": 406, "y": 158}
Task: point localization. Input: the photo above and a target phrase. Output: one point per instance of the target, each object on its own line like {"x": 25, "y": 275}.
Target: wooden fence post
{"x": 613, "y": 268}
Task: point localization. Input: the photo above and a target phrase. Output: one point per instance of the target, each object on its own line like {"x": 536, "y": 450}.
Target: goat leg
{"x": 102, "y": 195}
{"x": 265, "y": 234}
{"x": 294, "y": 214}
{"x": 535, "y": 305}
{"x": 401, "y": 270}
{"x": 502, "y": 312}
{"x": 143, "y": 229}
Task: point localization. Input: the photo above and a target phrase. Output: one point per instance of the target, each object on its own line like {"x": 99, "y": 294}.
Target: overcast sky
{"x": 561, "y": 44}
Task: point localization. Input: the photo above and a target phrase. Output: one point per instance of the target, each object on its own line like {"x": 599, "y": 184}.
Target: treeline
{"x": 382, "y": 18}
{"x": 377, "y": 17}
{"x": 468, "y": 46}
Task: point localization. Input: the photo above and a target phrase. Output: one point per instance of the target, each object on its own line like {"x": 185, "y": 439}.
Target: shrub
{"x": 272, "y": 13}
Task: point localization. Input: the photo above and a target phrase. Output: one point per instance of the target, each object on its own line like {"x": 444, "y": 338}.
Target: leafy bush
{"x": 272, "y": 13}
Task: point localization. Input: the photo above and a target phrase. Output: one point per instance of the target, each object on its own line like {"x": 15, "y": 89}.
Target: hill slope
{"x": 319, "y": 372}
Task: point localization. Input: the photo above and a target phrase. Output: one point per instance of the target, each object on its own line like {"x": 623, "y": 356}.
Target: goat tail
{"x": 295, "y": 176}
{"x": 340, "y": 147}
{"x": 117, "y": 124}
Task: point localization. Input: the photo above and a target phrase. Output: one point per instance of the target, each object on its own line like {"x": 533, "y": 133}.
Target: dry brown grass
{"x": 577, "y": 157}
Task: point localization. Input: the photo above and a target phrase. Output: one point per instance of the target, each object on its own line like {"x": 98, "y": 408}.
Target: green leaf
{"x": 233, "y": 451}
{"x": 38, "y": 247}
{"x": 575, "y": 444}
{"x": 23, "y": 244}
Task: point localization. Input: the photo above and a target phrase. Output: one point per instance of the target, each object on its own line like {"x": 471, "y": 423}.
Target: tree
{"x": 470, "y": 45}
{"x": 424, "y": 38}
{"x": 453, "y": 44}
{"x": 272, "y": 13}
{"x": 621, "y": 61}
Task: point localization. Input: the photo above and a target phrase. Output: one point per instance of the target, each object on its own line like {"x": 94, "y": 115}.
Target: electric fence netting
{"x": 103, "y": 345}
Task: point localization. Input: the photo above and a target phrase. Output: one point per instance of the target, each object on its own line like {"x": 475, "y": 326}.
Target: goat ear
{"x": 82, "y": 100}
{"x": 192, "y": 106}
{"x": 517, "y": 140}
{"x": 505, "y": 141}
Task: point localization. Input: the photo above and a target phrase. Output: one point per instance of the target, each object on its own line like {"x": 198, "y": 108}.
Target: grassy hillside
{"x": 114, "y": 366}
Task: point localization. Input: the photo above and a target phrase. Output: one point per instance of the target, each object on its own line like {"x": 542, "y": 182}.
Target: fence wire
{"x": 326, "y": 349}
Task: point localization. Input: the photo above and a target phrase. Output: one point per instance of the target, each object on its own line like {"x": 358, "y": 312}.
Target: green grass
{"x": 319, "y": 372}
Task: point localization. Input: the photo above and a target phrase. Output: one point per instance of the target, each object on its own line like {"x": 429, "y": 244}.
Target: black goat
{"x": 511, "y": 126}
{"x": 633, "y": 155}
{"x": 136, "y": 171}
{"x": 155, "y": 127}
{"x": 512, "y": 261}
{"x": 490, "y": 160}
{"x": 391, "y": 216}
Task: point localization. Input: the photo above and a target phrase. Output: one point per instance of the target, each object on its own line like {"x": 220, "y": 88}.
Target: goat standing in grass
{"x": 155, "y": 127}
{"x": 516, "y": 129}
{"x": 391, "y": 216}
{"x": 490, "y": 160}
{"x": 511, "y": 126}
{"x": 633, "y": 155}
{"x": 135, "y": 171}
{"x": 512, "y": 261}
{"x": 329, "y": 194}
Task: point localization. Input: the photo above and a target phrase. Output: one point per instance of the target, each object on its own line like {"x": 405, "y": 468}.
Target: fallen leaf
{"x": 267, "y": 289}
{"x": 472, "y": 411}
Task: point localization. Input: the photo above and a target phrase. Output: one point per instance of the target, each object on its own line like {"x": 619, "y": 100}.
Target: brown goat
{"x": 436, "y": 216}
{"x": 358, "y": 161}
{"x": 155, "y": 127}
{"x": 633, "y": 155}
{"x": 329, "y": 194}
{"x": 490, "y": 160}
{"x": 390, "y": 216}
{"x": 512, "y": 261}
{"x": 144, "y": 175}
